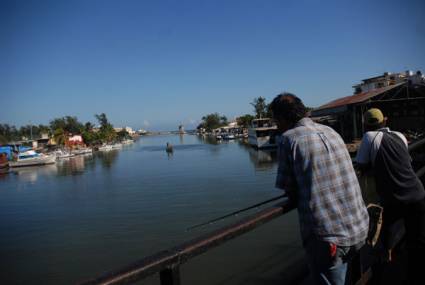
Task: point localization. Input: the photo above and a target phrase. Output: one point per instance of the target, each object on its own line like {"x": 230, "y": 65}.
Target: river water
{"x": 64, "y": 223}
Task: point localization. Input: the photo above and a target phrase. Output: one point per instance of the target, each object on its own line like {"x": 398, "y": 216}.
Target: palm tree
{"x": 260, "y": 107}
{"x": 60, "y": 136}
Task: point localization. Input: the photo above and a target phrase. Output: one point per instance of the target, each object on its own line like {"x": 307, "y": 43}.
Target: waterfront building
{"x": 400, "y": 96}
{"x": 387, "y": 79}
{"x": 129, "y": 130}
{"x": 75, "y": 139}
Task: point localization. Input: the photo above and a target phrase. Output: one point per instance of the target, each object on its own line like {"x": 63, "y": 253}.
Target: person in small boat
{"x": 169, "y": 148}
{"x": 402, "y": 194}
{"x": 316, "y": 172}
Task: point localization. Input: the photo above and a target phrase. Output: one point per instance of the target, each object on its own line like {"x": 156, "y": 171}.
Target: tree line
{"x": 61, "y": 128}
{"x": 261, "y": 110}
{"x": 215, "y": 120}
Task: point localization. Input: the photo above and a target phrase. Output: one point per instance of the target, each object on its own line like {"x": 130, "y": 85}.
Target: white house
{"x": 387, "y": 79}
{"x": 75, "y": 139}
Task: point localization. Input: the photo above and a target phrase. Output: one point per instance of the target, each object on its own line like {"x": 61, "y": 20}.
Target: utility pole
{"x": 31, "y": 130}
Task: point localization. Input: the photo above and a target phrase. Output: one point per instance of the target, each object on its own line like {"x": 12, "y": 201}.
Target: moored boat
{"x": 228, "y": 136}
{"x": 116, "y": 146}
{"x": 262, "y": 133}
{"x": 106, "y": 147}
{"x": 63, "y": 154}
{"x": 32, "y": 158}
{"x": 80, "y": 151}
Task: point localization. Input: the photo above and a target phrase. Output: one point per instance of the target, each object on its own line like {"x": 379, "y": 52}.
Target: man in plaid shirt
{"x": 316, "y": 171}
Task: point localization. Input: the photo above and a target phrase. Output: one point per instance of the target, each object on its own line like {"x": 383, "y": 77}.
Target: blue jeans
{"x": 326, "y": 268}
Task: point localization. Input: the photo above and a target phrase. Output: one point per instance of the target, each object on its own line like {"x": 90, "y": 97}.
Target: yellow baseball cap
{"x": 373, "y": 117}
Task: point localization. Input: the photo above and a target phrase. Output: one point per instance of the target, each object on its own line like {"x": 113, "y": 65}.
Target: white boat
{"x": 106, "y": 147}
{"x": 228, "y": 136}
{"x": 63, "y": 154}
{"x": 126, "y": 142}
{"x": 116, "y": 146}
{"x": 82, "y": 151}
{"x": 262, "y": 133}
{"x": 31, "y": 158}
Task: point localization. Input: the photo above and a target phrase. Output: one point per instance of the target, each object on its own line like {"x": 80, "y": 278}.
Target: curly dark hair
{"x": 288, "y": 107}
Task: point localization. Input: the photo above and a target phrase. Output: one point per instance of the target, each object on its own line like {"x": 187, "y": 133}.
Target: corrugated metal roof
{"x": 356, "y": 98}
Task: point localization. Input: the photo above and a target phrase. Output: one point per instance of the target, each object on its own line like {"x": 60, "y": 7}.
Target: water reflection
{"x": 4, "y": 173}
{"x": 262, "y": 159}
{"x": 32, "y": 173}
{"x": 108, "y": 158}
{"x": 74, "y": 165}
{"x": 208, "y": 139}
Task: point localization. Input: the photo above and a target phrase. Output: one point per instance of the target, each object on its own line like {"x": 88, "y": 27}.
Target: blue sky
{"x": 156, "y": 64}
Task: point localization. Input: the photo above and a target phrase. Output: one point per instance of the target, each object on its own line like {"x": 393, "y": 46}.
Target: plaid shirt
{"x": 315, "y": 168}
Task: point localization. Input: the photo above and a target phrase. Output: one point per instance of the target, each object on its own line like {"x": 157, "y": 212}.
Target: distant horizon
{"x": 156, "y": 65}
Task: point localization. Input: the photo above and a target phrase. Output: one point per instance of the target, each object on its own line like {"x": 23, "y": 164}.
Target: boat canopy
{"x": 8, "y": 150}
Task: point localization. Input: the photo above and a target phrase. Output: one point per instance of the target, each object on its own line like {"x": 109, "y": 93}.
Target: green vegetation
{"x": 213, "y": 121}
{"x": 61, "y": 128}
{"x": 67, "y": 124}
{"x": 90, "y": 135}
{"x": 106, "y": 131}
{"x": 245, "y": 120}
{"x": 123, "y": 135}
{"x": 261, "y": 108}
{"x": 11, "y": 133}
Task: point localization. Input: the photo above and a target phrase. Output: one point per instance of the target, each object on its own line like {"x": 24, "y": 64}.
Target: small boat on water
{"x": 32, "y": 158}
{"x": 169, "y": 148}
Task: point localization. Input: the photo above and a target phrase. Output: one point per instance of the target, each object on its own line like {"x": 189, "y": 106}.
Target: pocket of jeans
{"x": 318, "y": 252}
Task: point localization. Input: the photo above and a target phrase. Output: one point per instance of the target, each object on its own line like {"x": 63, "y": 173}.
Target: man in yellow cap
{"x": 400, "y": 190}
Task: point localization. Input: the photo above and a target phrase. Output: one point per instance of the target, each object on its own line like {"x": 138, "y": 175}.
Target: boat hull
{"x": 264, "y": 141}
{"x": 48, "y": 159}
{"x": 82, "y": 151}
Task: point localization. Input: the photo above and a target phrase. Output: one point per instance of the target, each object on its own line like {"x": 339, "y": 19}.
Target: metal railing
{"x": 167, "y": 262}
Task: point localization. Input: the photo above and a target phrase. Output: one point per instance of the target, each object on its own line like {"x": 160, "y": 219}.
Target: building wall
{"x": 388, "y": 79}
